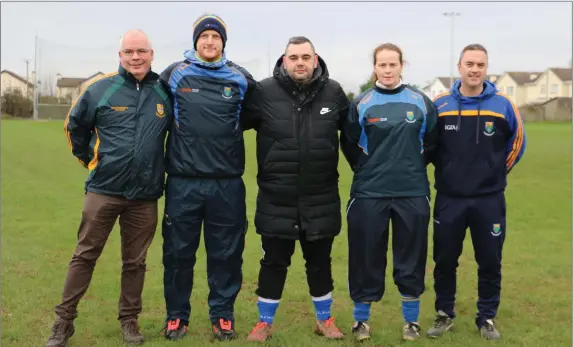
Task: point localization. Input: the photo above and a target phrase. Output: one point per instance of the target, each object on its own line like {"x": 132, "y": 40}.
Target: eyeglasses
{"x": 140, "y": 51}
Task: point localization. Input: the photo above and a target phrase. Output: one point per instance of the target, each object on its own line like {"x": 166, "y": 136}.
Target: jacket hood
{"x": 320, "y": 73}
{"x": 489, "y": 90}
{"x": 191, "y": 56}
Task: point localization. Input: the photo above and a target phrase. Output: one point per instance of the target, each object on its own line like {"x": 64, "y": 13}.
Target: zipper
{"x": 297, "y": 128}
{"x": 133, "y": 161}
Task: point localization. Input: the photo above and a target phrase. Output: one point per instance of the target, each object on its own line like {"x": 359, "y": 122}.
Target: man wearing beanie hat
{"x": 205, "y": 162}
{"x": 209, "y": 22}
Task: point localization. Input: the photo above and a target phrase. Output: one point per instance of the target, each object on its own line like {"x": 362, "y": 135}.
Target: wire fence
{"x": 63, "y": 69}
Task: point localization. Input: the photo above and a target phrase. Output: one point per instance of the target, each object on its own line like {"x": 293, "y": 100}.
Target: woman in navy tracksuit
{"x": 388, "y": 140}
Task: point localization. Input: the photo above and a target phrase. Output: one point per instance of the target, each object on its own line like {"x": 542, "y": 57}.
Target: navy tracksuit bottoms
{"x": 485, "y": 217}
{"x": 219, "y": 206}
{"x": 368, "y": 233}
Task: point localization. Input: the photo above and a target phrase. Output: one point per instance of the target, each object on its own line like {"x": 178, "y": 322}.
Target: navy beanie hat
{"x": 209, "y": 21}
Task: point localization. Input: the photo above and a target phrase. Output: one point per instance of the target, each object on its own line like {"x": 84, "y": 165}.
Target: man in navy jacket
{"x": 481, "y": 139}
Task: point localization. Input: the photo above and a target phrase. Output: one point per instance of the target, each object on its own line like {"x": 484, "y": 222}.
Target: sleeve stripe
{"x": 93, "y": 163}
{"x": 440, "y": 95}
{"x": 518, "y": 142}
{"x": 67, "y": 121}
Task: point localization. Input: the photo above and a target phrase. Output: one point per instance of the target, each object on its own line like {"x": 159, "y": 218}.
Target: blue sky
{"x": 519, "y": 36}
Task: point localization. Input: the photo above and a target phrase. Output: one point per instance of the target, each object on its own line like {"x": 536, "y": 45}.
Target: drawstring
{"x": 477, "y": 125}
{"x": 477, "y": 119}
{"x": 459, "y": 115}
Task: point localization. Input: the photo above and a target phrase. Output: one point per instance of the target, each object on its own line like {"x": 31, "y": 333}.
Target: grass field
{"x": 41, "y": 206}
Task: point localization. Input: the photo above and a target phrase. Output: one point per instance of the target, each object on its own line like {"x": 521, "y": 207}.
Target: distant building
{"x": 442, "y": 84}
{"x": 12, "y": 81}
{"x": 536, "y": 87}
{"x": 70, "y": 88}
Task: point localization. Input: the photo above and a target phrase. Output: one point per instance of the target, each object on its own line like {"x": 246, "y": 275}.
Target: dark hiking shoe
{"x": 175, "y": 329}
{"x": 361, "y": 331}
{"x": 411, "y": 332}
{"x": 224, "y": 330}
{"x": 131, "y": 333}
{"x": 442, "y": 324}
{"x": 488, "y": 331}
{"x": 61, "y": 332}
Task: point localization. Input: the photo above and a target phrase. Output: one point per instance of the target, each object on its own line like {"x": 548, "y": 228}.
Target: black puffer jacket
{"x": 297, "y": 154}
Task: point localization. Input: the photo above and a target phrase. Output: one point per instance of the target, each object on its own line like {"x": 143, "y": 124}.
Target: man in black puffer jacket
{"x": 298, "y": 112}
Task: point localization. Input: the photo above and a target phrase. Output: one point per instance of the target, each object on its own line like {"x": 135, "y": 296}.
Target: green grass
{"x": 42, "y": 199}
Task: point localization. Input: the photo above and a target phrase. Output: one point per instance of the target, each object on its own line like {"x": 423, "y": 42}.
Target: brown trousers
{"x": 138, "y": 222}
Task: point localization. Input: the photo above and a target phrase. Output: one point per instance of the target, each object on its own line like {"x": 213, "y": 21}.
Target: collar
{"x": 381, "y": 86}
{"x": 131, "y": 78}
{"x": 192, "y": 56}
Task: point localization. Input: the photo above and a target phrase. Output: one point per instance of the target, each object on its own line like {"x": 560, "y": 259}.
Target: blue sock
{"x": 322, "y": 306}
{"x": 410, "y": 308}
{"x": 361, "y": 311}
{"x": 267, "y": 309}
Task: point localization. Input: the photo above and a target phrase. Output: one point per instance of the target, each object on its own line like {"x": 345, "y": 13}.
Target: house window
{"x": 510, "y": 91}
{"x": 500, "y": 89}
{"x": 554, "y": 89}
{"x": 543, "y": 90}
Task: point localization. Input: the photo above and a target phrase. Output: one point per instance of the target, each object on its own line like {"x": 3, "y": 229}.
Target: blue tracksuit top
{"x": 206, "y": 139}
{"x": 481, "y": 139}
{"x": 388, "y": 139}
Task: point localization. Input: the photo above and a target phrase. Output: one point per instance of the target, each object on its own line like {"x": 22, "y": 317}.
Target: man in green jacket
{"x": 116, "y": 129}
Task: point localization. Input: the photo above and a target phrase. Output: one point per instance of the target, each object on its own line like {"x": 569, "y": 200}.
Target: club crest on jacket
{"x": 410, "y": 117}
{"x": 227, "y": 93}
{"x": 160, "y": 111}
{"x": 488, "y": 129}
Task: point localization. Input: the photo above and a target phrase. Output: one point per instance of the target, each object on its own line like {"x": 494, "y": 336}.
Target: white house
{"x": 12, "y": 81}
{"x": 438, "y": 86}
{"x": 442, "y": 84}
{"x": 71, "y": 87}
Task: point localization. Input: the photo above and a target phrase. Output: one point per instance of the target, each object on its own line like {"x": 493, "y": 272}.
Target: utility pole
{"x": 27, "y": 77}
{"x": 453, "y": 15}
{"x": 35, "y": 112}
{"x": 269, "y": 58}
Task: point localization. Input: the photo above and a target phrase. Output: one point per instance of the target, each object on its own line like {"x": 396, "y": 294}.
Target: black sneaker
{"x": 411, "y": 331}
{"x": 488, "y": 331}
{"x": 224, "y": 330}
{"x": 62, "y": 330}
{"x": 361, "y": 331}
{"x": 175, "y": 329}
{"x": 442, "y": 324}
